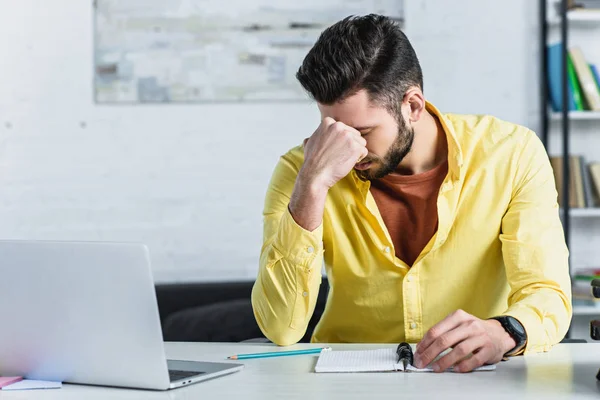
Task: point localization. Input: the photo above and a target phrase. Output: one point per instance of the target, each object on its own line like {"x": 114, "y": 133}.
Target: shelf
{"x": 579, "y": 17}
{"x": 586, "y": 310}
{"x": 583, "y": 212}
{"x": 577, "y": 115}
{"x": 584, "y": 16}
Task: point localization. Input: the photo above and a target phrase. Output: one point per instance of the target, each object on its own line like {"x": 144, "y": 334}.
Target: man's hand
{"x": 329, "y": 155}
{"x": 331, "y": 152}
{"x": 474, "y": 342}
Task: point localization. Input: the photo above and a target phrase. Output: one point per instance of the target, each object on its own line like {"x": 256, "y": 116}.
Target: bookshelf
{"x": 567, "y": 133}
{"x": 584, "y": 213}
{"x": 577, "y": 115}
{"x": 578, "y": 17}
{"x": 583, "y": 17}
{"x": 586, "y": 310}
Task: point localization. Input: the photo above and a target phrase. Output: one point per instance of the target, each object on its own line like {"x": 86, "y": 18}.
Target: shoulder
{"x": 486, "y": 136}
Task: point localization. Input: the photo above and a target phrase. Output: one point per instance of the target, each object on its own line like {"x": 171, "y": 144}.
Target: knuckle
{"x": 461, "y": 351}
{"x": 459, "y": 313}
{"x": 444, "y": 342}
{"x": 338, "y": 126}
{"x": 433, "y": 333}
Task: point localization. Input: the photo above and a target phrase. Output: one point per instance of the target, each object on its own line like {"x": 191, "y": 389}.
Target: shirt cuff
{"x": 296, "y": 243}
{"x": 533, "y": 327}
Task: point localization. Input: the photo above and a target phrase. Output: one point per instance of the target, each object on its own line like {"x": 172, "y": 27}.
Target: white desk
{"x": 566, "y": 372}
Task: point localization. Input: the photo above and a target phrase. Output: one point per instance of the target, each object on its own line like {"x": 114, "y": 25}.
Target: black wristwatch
{"x": 516, "y": 330}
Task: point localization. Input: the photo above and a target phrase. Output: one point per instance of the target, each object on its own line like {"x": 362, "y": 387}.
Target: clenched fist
{"x": 329, "y": 155}
{"x": 331, "y": 152}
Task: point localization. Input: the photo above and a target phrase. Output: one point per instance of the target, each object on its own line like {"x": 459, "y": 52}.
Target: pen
{"x": 277, "y": 353}
{"x": 405, "y": 354}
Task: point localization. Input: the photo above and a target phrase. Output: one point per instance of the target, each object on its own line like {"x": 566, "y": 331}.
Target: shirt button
{"x": 304, "y": 294}
{"x": 409, "y": 279}
{"x": 413, "y": 326}
{"x": 310, "y": 249}
{"x": 387, "y": 249}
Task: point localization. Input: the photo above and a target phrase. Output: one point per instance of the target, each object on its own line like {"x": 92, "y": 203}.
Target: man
{"x": 437, "y": 229}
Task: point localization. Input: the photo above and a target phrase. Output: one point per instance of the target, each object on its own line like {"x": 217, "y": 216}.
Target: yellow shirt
{"x": 499, "y": 249}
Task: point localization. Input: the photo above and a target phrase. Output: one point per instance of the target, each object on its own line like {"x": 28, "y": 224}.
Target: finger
{"x": 441, "y": 344}
{"x": 361, "y": 140}
{"x": 340, "y": 127}
{"x": 364, "y": 153}
{"x": 450, "y": 322}
{"x": 459, "y": 352}
{"x": 327, "y": 121}
{"x": 477, "y": 360}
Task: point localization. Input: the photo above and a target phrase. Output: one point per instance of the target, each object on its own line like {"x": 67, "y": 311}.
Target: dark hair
{"x": 368, "y": 52}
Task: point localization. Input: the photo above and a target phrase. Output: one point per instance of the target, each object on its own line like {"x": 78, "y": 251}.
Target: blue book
{"x": 555, "y": 79}
{"x": 596, "y": 75}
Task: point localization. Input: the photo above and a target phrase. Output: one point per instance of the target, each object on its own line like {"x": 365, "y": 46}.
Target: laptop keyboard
{"x": 175, "y": 375}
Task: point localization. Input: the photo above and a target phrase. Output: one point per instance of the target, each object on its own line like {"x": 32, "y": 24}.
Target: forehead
{"x": 356, "y": 111}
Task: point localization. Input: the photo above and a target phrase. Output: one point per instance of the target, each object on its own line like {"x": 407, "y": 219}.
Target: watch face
{"x": 516, "y": 325}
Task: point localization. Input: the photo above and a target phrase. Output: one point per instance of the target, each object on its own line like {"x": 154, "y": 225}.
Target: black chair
{"x": 217, "y": 312}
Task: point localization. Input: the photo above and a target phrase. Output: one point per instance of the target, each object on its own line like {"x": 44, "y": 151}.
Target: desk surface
{"x": 566, "y": 372}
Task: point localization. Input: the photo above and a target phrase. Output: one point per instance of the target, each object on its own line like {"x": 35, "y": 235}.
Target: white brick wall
{"x": 189, "y": 180}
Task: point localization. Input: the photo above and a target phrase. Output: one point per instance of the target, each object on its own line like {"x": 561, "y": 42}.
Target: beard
{"x": 396, "y": 153}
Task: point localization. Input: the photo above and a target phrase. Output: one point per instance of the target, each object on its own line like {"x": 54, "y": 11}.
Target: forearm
{"x": 308, "y": 201}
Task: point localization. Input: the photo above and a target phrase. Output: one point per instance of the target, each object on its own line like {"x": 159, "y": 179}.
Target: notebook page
{"x": 379, "y": 360}
{"x": 428, "y": 369}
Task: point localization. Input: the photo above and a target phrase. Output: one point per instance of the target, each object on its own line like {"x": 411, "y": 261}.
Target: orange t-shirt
{"x": 408, "y": 206}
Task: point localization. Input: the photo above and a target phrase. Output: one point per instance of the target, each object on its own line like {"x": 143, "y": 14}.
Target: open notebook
{"x": 379, "y": 360}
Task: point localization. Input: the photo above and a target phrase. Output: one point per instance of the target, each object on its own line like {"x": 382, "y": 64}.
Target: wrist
{"x": 516, "y": 331}
{"x": 507, "y": 342}
{"x": 312, "y": 183}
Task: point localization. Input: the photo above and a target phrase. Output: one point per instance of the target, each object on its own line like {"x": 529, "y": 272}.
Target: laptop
{"x": 86, "y": 313}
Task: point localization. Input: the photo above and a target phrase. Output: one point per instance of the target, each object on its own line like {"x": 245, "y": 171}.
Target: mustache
{"x": 368, "y": 159}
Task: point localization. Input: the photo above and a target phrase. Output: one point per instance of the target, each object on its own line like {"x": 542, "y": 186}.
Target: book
{"x": 594, "y": 169}
{"x": 555, "y": 79}
{"x": 595, "y": 74}
{"x": 574, "y": 82}
{"x": 577, "y": 180}
{"x": 588, "y": 189}
{"x": 378, "y": 360}
{"x": 584, "y": 4}
{"x": 576, "y": 193}
{"x": 586, "y": 79}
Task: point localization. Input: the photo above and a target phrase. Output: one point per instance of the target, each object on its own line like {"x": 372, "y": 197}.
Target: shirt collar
{"x": 455, "y": 155}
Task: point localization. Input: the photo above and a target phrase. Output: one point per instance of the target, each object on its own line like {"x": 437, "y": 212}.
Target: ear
{"x": 415, "y": 101}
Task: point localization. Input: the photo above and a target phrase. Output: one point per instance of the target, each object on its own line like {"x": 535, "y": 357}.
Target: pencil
{"x": 276, "y": 354}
